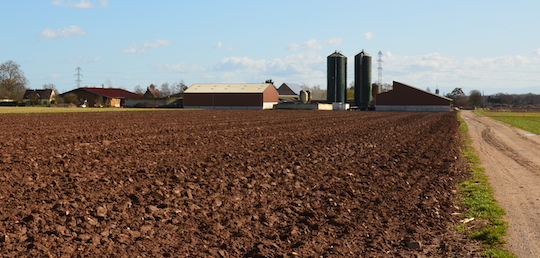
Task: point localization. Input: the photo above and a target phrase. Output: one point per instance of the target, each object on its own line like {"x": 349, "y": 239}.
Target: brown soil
{"x": 231, "y": 184}
{"x": 511, "y": 158}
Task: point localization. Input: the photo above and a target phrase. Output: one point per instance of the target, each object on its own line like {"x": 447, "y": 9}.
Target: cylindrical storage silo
{"x": 336, "y": 78}
{"x": 362, "y": 80}
{"x": 374, "y": 90}
{"x": 304, "y": 97}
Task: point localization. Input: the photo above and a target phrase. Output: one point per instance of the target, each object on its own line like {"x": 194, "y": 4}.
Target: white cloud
{"x": 537, "y": 51}
{"x": 313, "y": 44}
{"x": 243, "y": 64}
{"x": 68, "y": 32}
{"x": 334, "y": 42}
{"x": 369, "y": 35}
{"x": 83, "y": 4}
{"x": 54, "y": 75}
{"x": 293, "y": 47}
{"x": 220, "y": 45}
{"x": 132, "y": 49}
{"x": 135, "y": 48}
{"x": 155, "y": 44}
{"x": 491, "y": 74}
{"x": 305, "y": 67}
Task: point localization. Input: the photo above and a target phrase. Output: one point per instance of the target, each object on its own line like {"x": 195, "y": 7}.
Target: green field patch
{"x": 528, "y": 121}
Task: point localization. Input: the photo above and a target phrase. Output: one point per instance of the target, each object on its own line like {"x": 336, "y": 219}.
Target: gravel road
{"x": 511, "y": 157}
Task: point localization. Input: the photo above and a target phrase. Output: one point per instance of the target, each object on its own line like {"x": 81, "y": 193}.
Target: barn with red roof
{"x": 112, "y": 97}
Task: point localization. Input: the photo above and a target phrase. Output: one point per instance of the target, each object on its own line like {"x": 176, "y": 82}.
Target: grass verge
{"x": 478, "y": 197}
{"x": 31, "y": 110}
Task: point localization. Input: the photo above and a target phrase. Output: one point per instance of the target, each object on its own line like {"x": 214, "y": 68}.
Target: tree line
{"x": 166, "y": 89}
{"x": 13, "y": 85}
{"x": 477, "y": 99}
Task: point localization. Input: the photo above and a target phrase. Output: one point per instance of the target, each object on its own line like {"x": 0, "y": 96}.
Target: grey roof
{"x": 289, "y": 89}
{"x": 228, "y": 88}
{"x": 41, "y": 94}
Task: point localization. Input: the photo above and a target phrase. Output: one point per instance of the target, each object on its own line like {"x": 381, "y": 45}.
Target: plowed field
{"x": 231, "y": 184}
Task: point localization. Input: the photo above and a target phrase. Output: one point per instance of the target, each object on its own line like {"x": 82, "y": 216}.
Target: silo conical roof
{"x": 363, "y": 53}
{"x": 336, "y": 54}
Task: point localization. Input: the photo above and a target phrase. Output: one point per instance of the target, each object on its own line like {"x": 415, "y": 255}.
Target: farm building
{"x": 289, "y": 92}
{"x": 39, "y": 96}
{"x": 112, "y": 97}
{"x": 152, "y": 92}
{"x": 404, "y": 97}
{"x": 231, "y": 96}
{"x": 289, "y": 89}
{"x": 319, "y": 96}
{"x": 166, "y": 102}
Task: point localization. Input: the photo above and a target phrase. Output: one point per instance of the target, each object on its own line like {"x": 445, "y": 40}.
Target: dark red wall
{"x": 223, "y": 99}
{"x": 403, "y": 94}
{"x": 270, "y": 94}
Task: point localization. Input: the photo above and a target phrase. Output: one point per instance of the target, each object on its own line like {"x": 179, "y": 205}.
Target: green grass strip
{"x": 528, "y": 121}
{"x": 31, "y": 110}
{"x": 478, "y": 197}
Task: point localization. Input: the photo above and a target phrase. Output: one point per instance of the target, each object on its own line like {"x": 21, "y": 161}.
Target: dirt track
{"x": 511, "y": 158}
{"x": 231, "y": 184}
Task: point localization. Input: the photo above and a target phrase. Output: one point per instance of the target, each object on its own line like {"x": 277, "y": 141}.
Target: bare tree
{"x": 12, "y": 81}
{"x": 109, "y": 83}
{"x": 385, "y": 87}
{"x": 459, "y": 98}
{"x": 165, "y": 89}
{"x": 307, "y": 87}
{"x": 475, "y": 98}
{"x": 178, "y": 87}
{"x": 139, "y": 90}
{"x": 48, "y": 86}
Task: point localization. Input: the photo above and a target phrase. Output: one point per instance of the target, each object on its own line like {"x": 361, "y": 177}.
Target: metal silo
{"x": 337, "y": 78}
{"x": 362, "y": 80}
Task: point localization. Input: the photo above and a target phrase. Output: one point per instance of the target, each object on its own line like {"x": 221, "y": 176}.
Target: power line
{"x": 78, "y": 77}
{"x": 380, "y": 69}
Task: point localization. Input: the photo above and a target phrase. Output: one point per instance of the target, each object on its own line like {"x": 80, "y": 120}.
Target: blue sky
{"x": 491, "y": 46}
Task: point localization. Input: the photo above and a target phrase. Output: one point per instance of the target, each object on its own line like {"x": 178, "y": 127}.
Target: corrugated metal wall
{"x": 336, "y": 78}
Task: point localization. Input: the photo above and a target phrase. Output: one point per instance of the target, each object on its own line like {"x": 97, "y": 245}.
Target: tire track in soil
{"x": 487, "y": 135}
